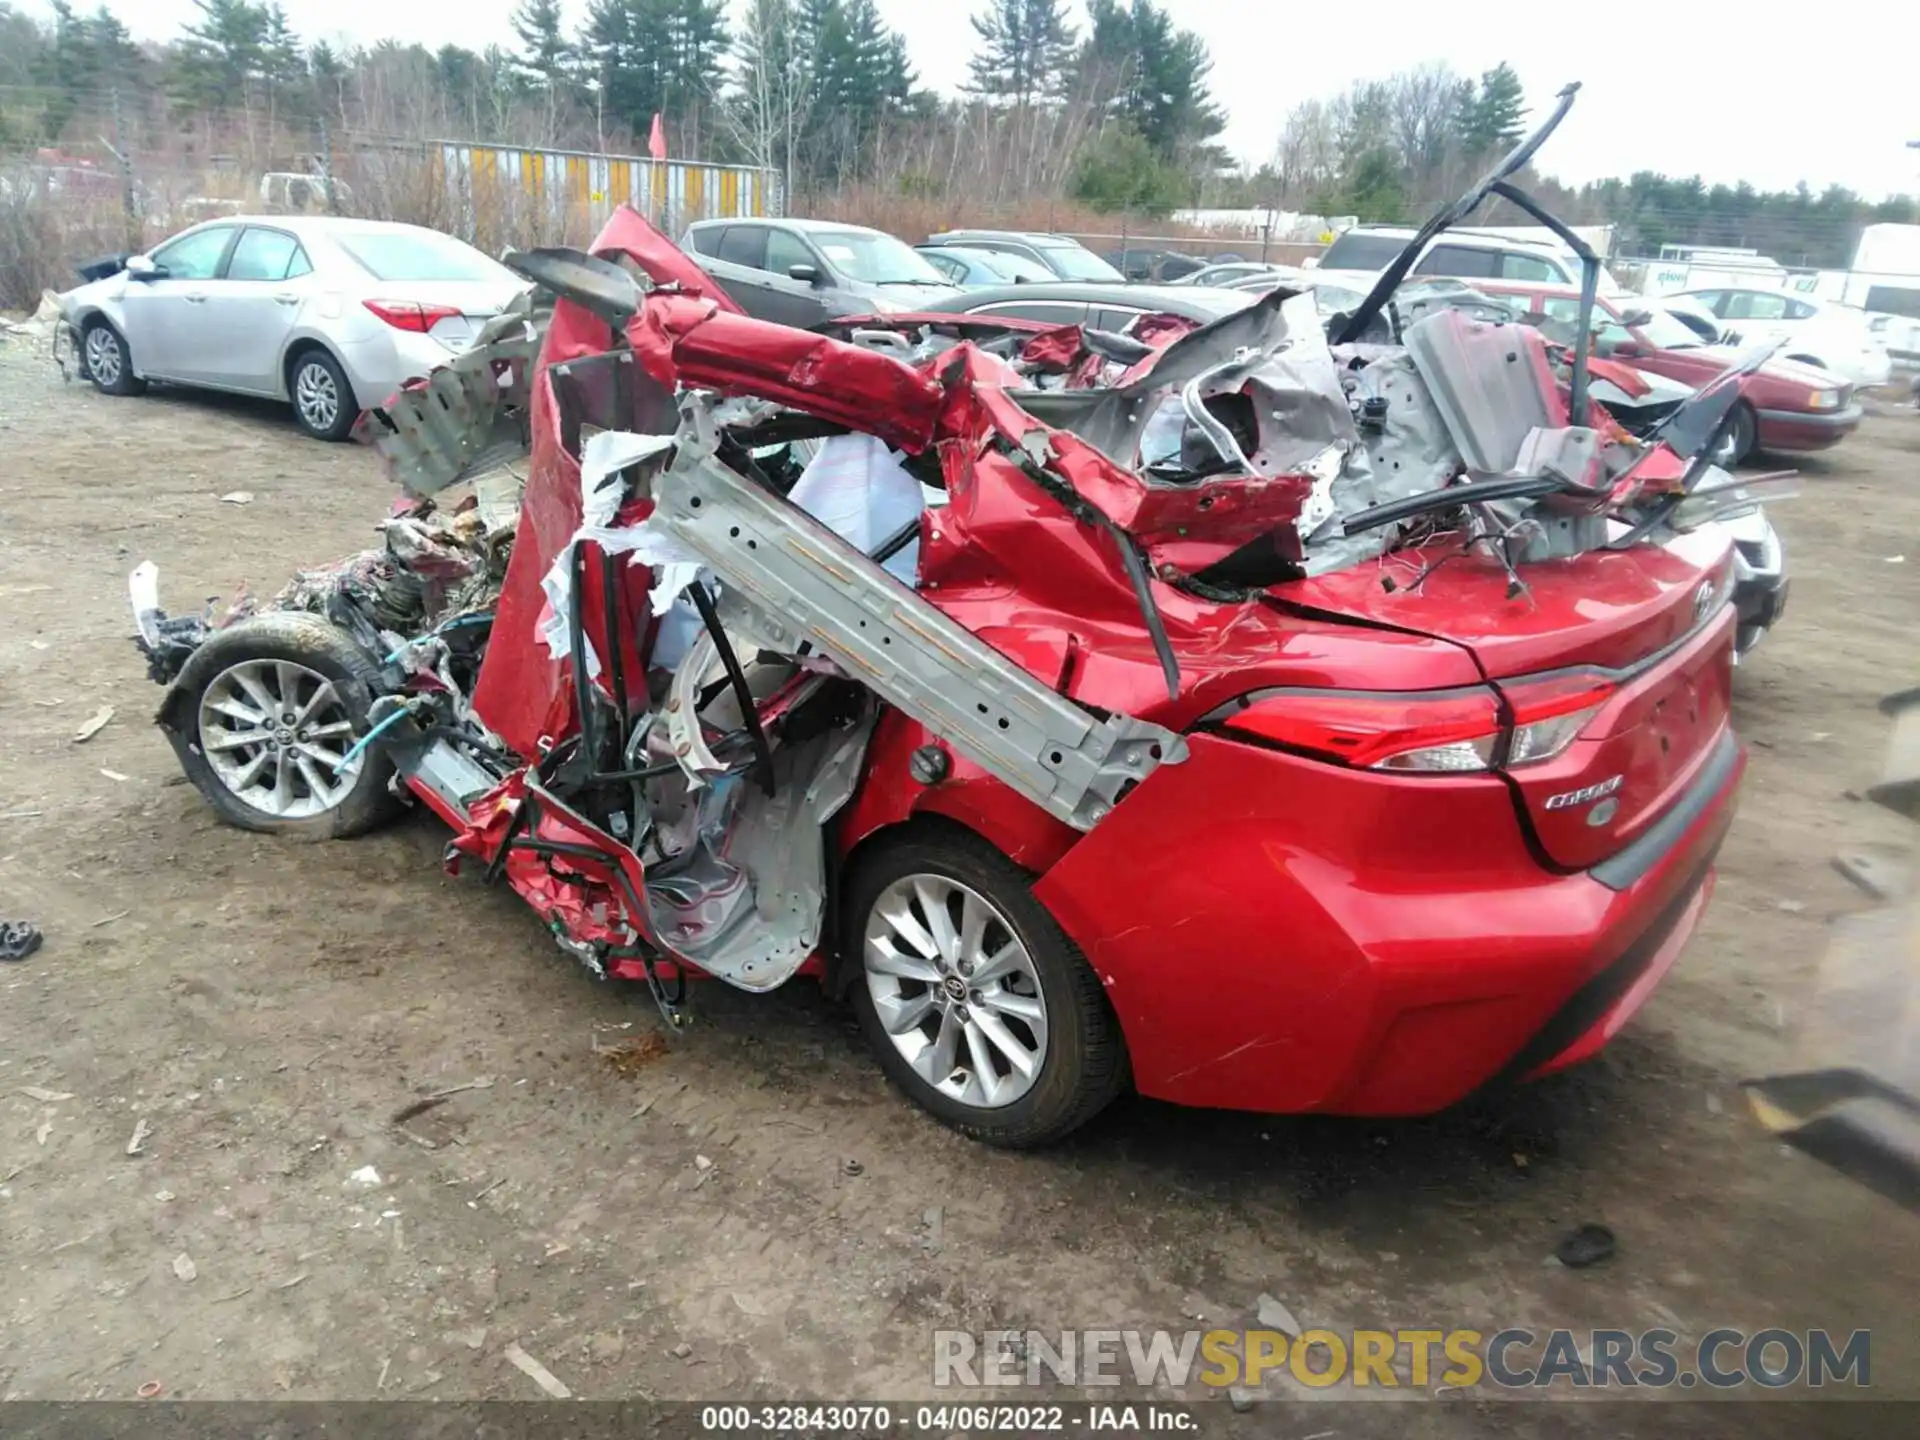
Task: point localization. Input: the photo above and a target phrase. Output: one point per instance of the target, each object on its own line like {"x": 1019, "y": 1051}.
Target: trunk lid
{"x": 1644, "y": 635}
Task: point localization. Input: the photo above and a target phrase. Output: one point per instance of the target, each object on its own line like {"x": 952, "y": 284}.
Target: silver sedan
{"x": 331, "y": 314}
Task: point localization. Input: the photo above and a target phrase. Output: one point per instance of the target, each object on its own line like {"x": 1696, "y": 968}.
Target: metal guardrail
{"x": 672, "y": 193}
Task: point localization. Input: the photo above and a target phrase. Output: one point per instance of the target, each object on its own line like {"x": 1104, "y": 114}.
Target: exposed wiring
{"x": 437, "y": 631}
{"x": 367, "y": 739}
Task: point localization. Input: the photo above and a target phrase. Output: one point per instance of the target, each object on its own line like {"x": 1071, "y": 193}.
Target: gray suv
{"x": 801, "y": 272}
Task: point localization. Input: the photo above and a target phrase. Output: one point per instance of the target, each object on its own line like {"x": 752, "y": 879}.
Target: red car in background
{"x": 1786, "y": 406}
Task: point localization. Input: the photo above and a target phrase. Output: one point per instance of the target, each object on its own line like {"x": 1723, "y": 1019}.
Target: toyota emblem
{"x": 1703, "y": 602}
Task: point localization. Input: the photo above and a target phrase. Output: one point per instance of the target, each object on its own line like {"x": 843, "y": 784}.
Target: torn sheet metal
{"x": 1112, "y": 420}
{"x": 605, "y": 461}
{"x": 808, "y": 585}
{"x": 697, "y": 344}
{"x": 468, "y": 415}
{"x": 759, "y": 933}
{"x": 1492, "y": 384}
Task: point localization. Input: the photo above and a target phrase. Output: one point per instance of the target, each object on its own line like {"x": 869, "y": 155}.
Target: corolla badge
{"x": 1567, "y": 799}
{"x": 1703, "y": 602}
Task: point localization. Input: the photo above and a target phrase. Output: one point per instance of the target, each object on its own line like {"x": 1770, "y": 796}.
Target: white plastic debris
{"x": 602, "y": 459}
{"x": 857, "y": 488}
{"x": 534, "y": 1370}
{"x": 95, "y": 724}
{"x": 1275, "y": 1316}
{"x": 184, "y": 1267}
{"x": 237, "y": 497}
{"x": 366, "y": 1177}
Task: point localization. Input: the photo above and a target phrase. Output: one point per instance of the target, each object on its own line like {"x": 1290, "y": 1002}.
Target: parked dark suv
{"x": 800, "y": 272}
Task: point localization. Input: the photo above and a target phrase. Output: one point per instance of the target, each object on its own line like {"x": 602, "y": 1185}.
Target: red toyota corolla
{"x": 1786, "y": 407}
{"x": 1262, "y": 723}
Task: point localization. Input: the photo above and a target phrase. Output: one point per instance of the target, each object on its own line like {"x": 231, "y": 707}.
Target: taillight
{"x": 1548, "y": 712}
{"x": 411, "y": 315}
{"x": 1433, "y": 731}
{"x": 1440, "y": 730}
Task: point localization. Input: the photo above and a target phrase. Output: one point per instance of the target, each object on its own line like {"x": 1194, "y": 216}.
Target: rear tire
{"x": 323, "y": 402}
{"x": 107, "y": 359}
{"x": 1044, "y": 1004}
{"x": 258, "y": 768}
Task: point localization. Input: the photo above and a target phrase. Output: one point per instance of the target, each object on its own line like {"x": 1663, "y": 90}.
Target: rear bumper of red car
{"x": 1805, "y": 430}
{"x": 1288, "y": 936}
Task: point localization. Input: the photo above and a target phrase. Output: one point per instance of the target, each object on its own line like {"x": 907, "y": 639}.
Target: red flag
{"x": 657, "y": 142}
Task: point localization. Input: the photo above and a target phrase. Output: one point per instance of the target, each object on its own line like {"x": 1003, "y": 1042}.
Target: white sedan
{"x": 328, "y": 313}
{"x": 1830, "y": 337}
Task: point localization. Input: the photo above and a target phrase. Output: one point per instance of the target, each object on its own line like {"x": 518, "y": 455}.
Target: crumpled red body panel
{"x": 628, "y": 232}
{"x": 693, "y": 342}
{"x": 1630, "y": 380}
{"x": 1186, "y": 526}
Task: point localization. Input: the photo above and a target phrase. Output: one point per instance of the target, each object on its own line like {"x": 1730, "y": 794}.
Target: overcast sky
{"x": 1768, "y": 94}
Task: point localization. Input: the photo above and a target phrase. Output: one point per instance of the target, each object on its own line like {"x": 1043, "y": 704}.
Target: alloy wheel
{"x": 103, "y": 355}
{"x": 316, "y": 396}
{"x": 955, "y": 990}
{"x": 276, "y": 736}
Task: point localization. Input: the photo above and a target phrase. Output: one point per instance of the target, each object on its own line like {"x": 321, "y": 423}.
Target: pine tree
{"x": 700, "y": 42}
{"x": 327, "y": 73}
{"x": 217, "y": 57}
{"x": 281, "y": 60}
{"x": 620, "y": 57}
{"x": 544, "y": 53}
{"x": 1026, "y": 47}
{"x": 1494, "y": 122}
{"x": 1140, "y": 69}
{"x": 111, "y": 50}
{"x": 649, "y": 57}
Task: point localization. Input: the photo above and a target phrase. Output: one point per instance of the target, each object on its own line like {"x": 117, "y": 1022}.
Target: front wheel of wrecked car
{"x": 108, "y": 362}
{"x": 264, "y": 718}
{"x": 974, "y": 1000}
{"x": 1737, "y": 444}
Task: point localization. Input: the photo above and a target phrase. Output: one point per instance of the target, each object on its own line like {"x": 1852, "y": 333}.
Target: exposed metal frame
{"x": 805, "y": 585}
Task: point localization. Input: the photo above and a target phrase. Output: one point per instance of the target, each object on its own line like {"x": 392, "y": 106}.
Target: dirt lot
{"x": 265, "y": 1007}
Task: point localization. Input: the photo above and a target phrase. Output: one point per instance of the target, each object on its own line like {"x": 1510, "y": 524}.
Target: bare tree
{"x": 1307, "y": 156}
{"x": 767, "y": 119}
{"x": 1426, "y": 106}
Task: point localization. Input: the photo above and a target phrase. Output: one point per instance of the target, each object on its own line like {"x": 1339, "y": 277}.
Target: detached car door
{"x": 251, "y": 309}
{"x": 166, "y": 314}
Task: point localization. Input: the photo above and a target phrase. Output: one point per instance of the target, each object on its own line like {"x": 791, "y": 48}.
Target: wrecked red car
{"x": 1255, "y": 720}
